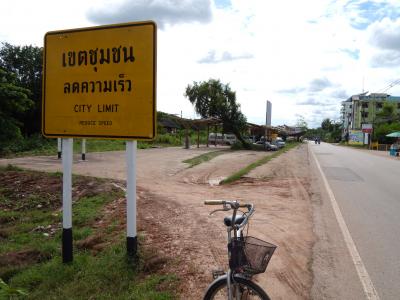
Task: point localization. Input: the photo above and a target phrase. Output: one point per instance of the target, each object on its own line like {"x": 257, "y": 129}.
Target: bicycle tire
{"x": 220, "y": 284}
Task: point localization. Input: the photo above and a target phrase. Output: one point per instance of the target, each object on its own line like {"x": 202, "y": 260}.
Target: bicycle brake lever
{"x": 221, "y": 209}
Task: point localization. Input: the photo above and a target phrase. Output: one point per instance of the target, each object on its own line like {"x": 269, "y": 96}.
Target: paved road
{"x": 367, "y": 190}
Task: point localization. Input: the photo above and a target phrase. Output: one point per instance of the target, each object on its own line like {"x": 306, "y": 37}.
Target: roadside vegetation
{"x": 214, "y": 99}
{"x": 203, "y": 158}
{"x": 30, "y": 243}
{"x": 387, "y": 121}
{"x": 38, "y": 145}
{"x": 329, "y": 131}
{"x": 239, "y": 174}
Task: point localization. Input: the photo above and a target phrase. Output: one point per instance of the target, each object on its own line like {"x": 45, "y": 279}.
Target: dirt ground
{"x": 173, "y": 219}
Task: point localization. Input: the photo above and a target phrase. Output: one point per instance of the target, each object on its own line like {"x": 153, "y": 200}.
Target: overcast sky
{"x": 303, "y": 56}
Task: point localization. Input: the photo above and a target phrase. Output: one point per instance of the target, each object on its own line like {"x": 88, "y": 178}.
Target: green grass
{"x": 108, "y": 274}
{"x": 38, "y": 145}
{"x": 87, "y": 209}
{"x": 353, "y": 146}
{"x": 10, "y": 167}
{"x": 236, "y": 176}
{"x": 20, "y": 228}
{"x": 203, "y": 158}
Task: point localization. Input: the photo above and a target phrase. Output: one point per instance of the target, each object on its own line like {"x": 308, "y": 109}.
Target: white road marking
{"x": 366, "y": 281}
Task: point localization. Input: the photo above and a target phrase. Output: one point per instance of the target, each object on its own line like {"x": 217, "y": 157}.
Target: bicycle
{"x": 247, "y": 256}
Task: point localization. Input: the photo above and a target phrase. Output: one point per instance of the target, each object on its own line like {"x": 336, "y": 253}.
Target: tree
{"x": 332, "y": 131}
{"x": 301, "y": 122}
{"x": 327, "y": 125}
{"x": 381, "y": 130}
{"x": 388, "y": 113}
{"x": 214, "y": 99}
{"x": 26, "y": 63}
{"x": 13, "y": 101}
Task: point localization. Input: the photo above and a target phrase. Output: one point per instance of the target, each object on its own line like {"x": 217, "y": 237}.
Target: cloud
{"x": 385, "y": 59}
{"x": 319, "y": 84}
{"x": 213, "y": 58}
{"x": 339, "y": 94}
{"x": 363, "y": 13}
{"x": 310, "y": 101}
{"x": 385, "y": 34}
{"x": 162, "y": 11}
{"x": 294, "y": 90}
{"x": 318, "y": 111}
{"x": 223, "y": 3}
{"x": 355, "y": 54}
{"x": 313, "y": 102}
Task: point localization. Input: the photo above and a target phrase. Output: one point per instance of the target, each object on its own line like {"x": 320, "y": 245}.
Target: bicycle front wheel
{"x": 242, "y": 288}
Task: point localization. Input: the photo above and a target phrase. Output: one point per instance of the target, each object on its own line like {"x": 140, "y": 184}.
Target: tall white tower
{"x": 268, "y": 114}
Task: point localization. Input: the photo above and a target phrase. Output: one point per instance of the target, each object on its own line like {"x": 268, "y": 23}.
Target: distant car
{"x": 221, "y": 139}
{"x": 267, "y": 145}
{"x": 280, "y": 142}
{"x": 270, "y": 146}
{"x": 229, "y": 139}
{"x": 248, "y": 139}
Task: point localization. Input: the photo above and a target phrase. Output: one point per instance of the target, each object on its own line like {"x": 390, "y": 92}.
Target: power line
{"x": 389, "y": 86}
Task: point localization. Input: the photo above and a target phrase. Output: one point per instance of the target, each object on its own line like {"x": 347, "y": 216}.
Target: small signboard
{"x": 100, "y": 82}
{"x": 356, "y": 137}
{"x": 366, "y": 128}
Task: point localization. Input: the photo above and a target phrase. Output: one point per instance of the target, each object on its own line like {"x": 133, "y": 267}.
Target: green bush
{"x": 382, "y": 130}
{"x": 35, "y": 144}
{"x": 39, "y": 145}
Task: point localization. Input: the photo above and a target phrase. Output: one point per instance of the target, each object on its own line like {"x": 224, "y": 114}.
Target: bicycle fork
{"x": 229, "y": 277}
{"x": 232, "y": 287}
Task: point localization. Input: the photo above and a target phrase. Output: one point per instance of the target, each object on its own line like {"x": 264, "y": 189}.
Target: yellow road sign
{"x": 100, "y": 82}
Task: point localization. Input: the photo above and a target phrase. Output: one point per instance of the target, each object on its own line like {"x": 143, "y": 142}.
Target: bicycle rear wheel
{"x": 248, "y": 290}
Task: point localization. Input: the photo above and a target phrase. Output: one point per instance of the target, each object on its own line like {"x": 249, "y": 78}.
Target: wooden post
{"x": 208, "y": 133}
{"x": 215, "y": 139}
{"x": 186, "y": 138}
{"x": 198, "y": 137}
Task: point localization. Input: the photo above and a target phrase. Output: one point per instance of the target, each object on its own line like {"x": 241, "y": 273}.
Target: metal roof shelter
{"x": 199, "y": 124}
{"x": 195, "y": 124}
{"x": 253, "y": 129}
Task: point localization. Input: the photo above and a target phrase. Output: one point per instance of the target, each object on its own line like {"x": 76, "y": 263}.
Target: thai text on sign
{"x": 100, "y": 82}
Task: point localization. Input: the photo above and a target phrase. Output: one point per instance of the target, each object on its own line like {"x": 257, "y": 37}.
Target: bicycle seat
{"x": 238, "y": 220}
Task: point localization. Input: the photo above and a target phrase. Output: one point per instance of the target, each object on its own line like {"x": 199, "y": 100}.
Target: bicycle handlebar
{"x": 213, "y": 202}
{"x": 235, "y": 205}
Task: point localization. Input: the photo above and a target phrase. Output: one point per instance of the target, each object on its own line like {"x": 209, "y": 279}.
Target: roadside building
{"x": 359, "y": 111}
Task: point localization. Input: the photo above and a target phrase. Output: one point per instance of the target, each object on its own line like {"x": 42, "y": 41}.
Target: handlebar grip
{"x": 214, "y": 202}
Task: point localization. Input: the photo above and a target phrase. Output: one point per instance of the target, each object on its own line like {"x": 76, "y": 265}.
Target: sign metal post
{"x": 131, "y": 236}
{"x": 59, "y": 148}
{"x": 83, "y": 149}
{"x": 67, "y": 200}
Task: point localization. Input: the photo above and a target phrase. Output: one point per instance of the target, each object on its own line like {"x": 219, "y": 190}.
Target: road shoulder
{"x": 334, "y": 275}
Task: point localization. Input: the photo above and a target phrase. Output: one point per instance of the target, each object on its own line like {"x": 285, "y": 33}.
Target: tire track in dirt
{"x": 287, "y": 182}
{"x": 217, "y": 169}
{"x": 186, "y": 239}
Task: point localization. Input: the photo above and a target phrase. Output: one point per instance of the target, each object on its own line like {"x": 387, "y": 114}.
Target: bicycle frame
{"x": 237, "y": 231}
